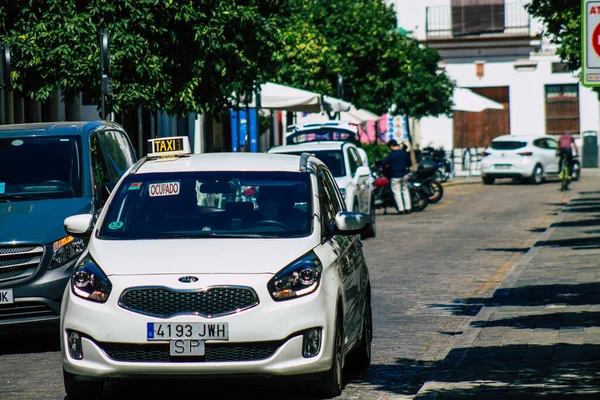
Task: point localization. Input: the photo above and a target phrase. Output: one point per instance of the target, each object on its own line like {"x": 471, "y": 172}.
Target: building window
{"x": 560, "y": 68}
{"x": 562, "y": 109}
{"x": 471, "y": 17}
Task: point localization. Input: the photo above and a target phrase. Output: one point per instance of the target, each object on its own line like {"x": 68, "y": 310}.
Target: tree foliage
{"x": 176, "y": 55}
{"x": 358, "y": 39}
{"x": 562, "y": 23}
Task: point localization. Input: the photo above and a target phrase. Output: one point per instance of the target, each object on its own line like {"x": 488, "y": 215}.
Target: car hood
{"x": 39, "y": 221}
{"x": 197, "y": 256}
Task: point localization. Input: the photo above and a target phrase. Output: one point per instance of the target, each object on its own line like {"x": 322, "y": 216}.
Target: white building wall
{"x": 526, "y": 85}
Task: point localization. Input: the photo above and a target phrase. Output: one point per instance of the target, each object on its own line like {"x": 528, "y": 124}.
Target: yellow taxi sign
{"x": 169, "y": 146}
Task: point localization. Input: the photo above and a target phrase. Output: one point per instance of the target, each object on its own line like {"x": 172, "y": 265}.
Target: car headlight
{"x": 89, "y": 281}
{"x": 65, "y": 250}
{"x": 343, "y": 192}
{"x": 298, "y": 279}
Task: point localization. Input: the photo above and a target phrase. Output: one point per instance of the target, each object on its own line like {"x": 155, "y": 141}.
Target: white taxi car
{"x": 332, "y": 144}
{"x": 215, "y": 264}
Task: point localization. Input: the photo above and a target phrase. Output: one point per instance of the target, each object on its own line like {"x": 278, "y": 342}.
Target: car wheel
{"x": 361, "y": 356}
{"x": 576, "y": 171}
{"x": 488, "y": 180}
{"x": 371, "y": 228}
{"x": 80, "y": 389}
{"x": 331, "y": 382}
{"x": 538, "y": 175}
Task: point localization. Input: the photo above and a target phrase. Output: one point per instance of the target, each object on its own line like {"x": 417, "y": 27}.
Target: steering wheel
{"x": 56, "y": 182}
{"x": 270, "y": 222}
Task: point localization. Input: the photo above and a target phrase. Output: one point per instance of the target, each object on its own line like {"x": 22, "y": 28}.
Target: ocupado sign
{"x": 590, "y": 42}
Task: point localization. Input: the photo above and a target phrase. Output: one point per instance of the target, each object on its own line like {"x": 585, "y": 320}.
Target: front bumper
{"x": 265, "y": 340}
{"x": 37, "y": 298}
{"x": 499, "y": 170}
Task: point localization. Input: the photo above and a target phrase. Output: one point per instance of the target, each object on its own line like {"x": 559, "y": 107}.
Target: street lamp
{"x": 4, "y": 79}
{"x": 105, "y": 77}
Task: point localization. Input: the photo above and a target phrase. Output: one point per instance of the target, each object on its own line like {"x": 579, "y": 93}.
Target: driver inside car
{"x": 276, "y": 208}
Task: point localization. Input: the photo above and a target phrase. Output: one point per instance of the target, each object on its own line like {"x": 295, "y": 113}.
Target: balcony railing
{"x": 439, "y": 21}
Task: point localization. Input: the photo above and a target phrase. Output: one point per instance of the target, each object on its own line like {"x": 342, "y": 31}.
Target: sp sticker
{"x": 115, "y": 225}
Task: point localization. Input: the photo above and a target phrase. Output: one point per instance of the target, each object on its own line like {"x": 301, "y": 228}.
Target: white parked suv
{"x": 522, "y": 157}
{"x": 347, "y": 163}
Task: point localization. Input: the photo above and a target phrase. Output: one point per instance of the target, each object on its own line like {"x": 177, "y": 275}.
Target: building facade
{"x": 495, "y": 48}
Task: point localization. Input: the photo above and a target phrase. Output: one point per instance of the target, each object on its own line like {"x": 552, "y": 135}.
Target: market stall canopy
{"x": 280, "y": 97}
{"x": 467, "y": 100}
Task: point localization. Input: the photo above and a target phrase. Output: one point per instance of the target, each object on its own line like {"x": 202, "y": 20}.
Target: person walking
{"x": 399, "y": 163}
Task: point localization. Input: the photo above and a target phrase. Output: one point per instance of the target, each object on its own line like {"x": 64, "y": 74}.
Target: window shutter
{"x": 471, "y": 17}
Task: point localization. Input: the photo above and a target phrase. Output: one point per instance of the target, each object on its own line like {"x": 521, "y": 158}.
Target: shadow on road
{"x": 41, "y": 339}
{"x": 579, "y": 243}
{"x": 521, "y": 371}
{"x": 567, "y": 320}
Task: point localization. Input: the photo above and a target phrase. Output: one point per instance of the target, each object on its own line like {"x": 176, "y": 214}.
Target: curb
{"x": 456, "y": 183}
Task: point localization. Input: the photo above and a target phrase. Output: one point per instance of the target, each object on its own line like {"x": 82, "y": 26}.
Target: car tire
{"x": 361, "y": 356}
{"x": 576, "y": 171}
{"x": 488, "y": 180}
{"x": 331, "y": 382}
{"x": 538, "y": 175}
{"x": 81, "y": 389}
{"x": 371, "y": 231}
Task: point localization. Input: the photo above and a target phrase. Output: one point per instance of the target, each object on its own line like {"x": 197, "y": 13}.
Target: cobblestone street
{"x": 491, "y": 293}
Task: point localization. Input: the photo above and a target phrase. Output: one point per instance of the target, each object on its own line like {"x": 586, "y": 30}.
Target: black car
{"x": 49, "y": 171}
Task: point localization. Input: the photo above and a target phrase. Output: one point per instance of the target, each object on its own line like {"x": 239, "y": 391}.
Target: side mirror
{"x": 79, "y": 225}
{"x": 363, "y": 171}
{"x": 351, "y": 223}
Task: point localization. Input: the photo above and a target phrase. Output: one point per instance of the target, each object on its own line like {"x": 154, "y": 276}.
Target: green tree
{"x": 562, "y": 24}
{"x": 175, "y": 55}
{"x": 358, "y": 39}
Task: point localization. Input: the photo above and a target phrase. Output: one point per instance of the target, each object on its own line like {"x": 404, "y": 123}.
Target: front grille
{"x": 209, "y": 302}
{"x": 214, "y": 352}
{"x": 25, "y": 310}
{"x": 19, "y": 262}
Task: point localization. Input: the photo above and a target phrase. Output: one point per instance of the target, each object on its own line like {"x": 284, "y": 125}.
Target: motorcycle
{"x": 384, "y": 197}
{"x": 425, "y": 179}
{"x": 443, "y": 170}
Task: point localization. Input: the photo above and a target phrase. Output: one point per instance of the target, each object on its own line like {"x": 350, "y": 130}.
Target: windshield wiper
{"x": 7, "y": 198}
{"x": 213, "y": 235}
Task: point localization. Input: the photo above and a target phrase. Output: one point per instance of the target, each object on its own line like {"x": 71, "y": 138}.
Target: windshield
{"x": 40, "y": 168}
{"x": 507, "y": 145}
{"x": 210, "y": 204}
{"x": 332, "y": 158}
{"x": 320, "y": 134}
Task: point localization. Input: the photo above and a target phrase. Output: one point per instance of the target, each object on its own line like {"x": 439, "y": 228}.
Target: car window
{"x": 357, "y": 156}
{"x": 334, "y": 159}
{"x": 100, "y": 172}
{"x": 320, "y": 134}
{"x": 541, "y": 143}
{"x": 551, "y": 143}
{"x": 507, "y": 145}
{"x": 328, "y": 203}
{"x": 210, "y": 204}
{"x": 117, "y": 153}
{"x": 41, "y": 167}
{"x": 352, "y": 161}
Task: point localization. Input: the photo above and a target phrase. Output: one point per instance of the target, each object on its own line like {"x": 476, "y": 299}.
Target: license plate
{"x": 6, "y": 296}
{"x": 186, "y": 347}
{"x": 502, "y": 166}
{"x": 188, "y": 331}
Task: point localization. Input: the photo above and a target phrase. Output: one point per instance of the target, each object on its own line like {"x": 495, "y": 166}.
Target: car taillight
{"x": 525, "y": 154}
{"x": 485, "y": 154}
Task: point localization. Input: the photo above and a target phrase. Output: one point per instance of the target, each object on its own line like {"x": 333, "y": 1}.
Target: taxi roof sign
{"x": 175, "y": 146}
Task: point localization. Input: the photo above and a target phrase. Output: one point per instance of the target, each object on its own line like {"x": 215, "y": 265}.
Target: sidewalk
{"x": 538, "y": 336}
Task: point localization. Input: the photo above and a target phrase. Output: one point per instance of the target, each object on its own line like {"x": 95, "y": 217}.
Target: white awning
{"x": 467, "y": 100}
{"x": 352, "y": 115}
{"x": 280, "y": 97}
